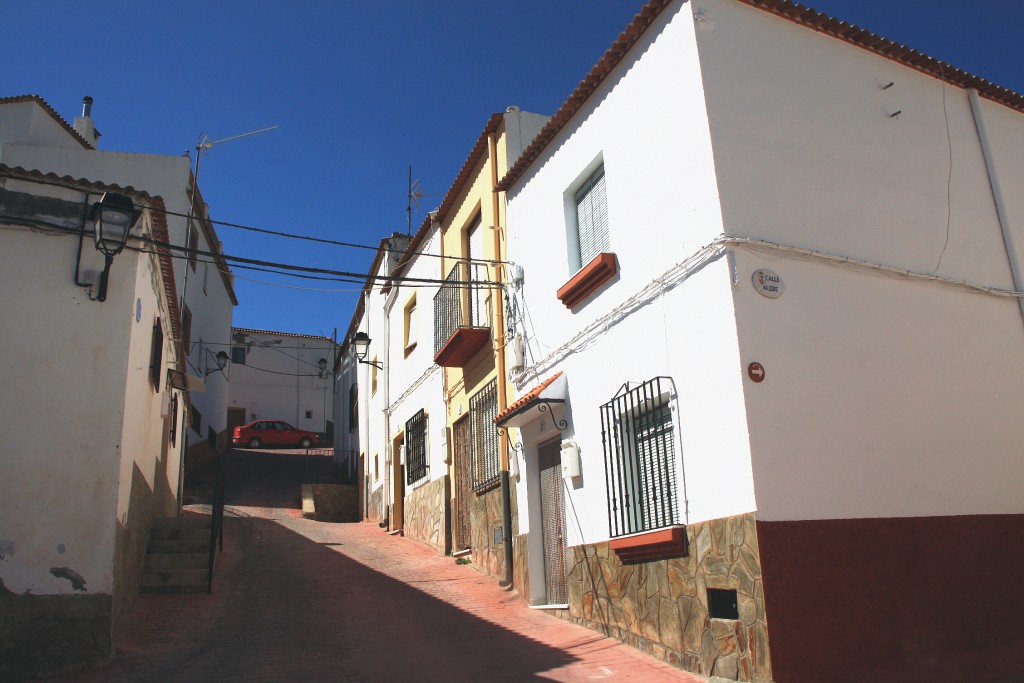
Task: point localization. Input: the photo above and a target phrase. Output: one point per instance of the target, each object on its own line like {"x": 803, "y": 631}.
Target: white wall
{"x": 883, "y": 396}
{"x": 26, "y": 123}
{"x": 416, "y": 382}
{"x": 280, "y": 379}
{"x": 68, "y": 434}
{"x": 648, "y": 123}
{"x": 169, "y": 178}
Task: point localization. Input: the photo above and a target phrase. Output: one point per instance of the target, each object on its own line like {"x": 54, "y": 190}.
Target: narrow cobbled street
{"x": 301, "y": 600}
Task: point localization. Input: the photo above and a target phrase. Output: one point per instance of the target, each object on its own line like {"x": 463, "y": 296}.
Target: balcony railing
{"x": 461, "y": 316}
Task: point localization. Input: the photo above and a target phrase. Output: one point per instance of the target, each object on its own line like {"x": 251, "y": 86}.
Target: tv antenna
{"x": 415, "y": 194}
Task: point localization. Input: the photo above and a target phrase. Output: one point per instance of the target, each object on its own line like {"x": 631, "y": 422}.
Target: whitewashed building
{"x": 769, "y": 388}
{"x": 282, "y": 376}
{"x": 91, "y": 420}
{"x": 33, "y": 136}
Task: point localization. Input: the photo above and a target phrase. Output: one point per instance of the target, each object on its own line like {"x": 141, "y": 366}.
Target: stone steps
{"x": 177, "y": 556}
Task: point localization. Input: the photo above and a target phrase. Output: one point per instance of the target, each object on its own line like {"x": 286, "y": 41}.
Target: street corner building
{"x": 767, "y": 340}
{"x": 116, "y": 316}
{"x": 92, "y": 444}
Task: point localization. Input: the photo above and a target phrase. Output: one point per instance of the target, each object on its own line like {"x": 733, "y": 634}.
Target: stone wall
{"x": 376, "y": 505}
{"x": 47, "y": 635}
{"x": 661, "y": 606}
{"x": 426, "y": 518}
{"x": 485, "y": 517}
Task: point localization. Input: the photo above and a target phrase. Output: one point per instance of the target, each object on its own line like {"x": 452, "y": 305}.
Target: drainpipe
{"x": 388, "y": 305}
{"x": 499, "y": 333}
{"x": 997, "y": 196}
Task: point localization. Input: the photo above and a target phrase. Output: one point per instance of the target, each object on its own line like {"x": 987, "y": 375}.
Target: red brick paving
{"x": 299, "y": 600}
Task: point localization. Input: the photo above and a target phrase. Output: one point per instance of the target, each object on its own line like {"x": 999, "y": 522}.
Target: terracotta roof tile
{"x": 248, "y": 330}
{"x": 527, "y": 399}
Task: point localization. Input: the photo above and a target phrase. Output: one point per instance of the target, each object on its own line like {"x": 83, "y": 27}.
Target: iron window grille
{"x": 458, "y": 304}
{"x": 238, "y": 354}
{"x": 416, "y": 466}
{"x": 353, "y": 407}
{"x": 483, "y": 408}
{"x": 638, "y": 435}
{"x": 156, "y": 355}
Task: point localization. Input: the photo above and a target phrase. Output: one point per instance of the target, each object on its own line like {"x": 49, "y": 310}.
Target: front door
{"x": 552, "y": 513}
{"x": 398, "y": 484}
{"x": 463, "y": 484}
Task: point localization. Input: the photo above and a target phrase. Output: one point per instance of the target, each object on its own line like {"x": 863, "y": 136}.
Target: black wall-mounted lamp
{"x": 361, "y": 344}
{"x": 113, "y": 216}
{"x": 222, "y": 361}
{"x": 322, "y": 364}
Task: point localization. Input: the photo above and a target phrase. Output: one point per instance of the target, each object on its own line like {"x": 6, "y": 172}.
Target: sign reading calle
{"x": 768, "y": 283}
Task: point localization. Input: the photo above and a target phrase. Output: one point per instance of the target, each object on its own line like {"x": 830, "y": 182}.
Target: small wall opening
{"x": 722, "y": 604}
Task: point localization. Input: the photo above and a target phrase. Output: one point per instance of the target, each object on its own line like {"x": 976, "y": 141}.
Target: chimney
{"x": 84, "y": 125}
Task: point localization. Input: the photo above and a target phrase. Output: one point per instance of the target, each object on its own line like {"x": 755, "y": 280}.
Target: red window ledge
{"x": 656, "y": 545}
{"x": 588, "y": 280}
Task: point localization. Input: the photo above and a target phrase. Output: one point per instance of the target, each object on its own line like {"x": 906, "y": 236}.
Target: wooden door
{"x": 462, "y": 453}
{"x": 552, "y": 512}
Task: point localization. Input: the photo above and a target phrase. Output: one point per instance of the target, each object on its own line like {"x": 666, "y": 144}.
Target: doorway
{"x": 236, "y": 418}
{"x": 552, "y": 516}
{"x": 462, "y": 527}
{"x": 398, "y": 483}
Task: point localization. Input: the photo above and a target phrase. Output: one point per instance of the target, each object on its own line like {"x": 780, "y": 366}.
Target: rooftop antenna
{"x": 415, "y": 194}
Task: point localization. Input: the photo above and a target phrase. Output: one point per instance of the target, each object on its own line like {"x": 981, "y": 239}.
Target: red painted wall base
{"x": 902, "y": 599}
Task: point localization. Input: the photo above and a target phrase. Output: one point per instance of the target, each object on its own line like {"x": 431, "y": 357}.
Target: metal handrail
{"x": 216, "y": 522}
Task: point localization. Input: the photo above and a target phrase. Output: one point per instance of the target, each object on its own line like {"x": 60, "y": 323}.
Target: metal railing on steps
{"x": 216, "y": 521}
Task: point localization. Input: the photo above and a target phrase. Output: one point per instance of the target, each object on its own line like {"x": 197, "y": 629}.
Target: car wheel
{"x": 306, "y": 442}
{"x": 254, "y": 442}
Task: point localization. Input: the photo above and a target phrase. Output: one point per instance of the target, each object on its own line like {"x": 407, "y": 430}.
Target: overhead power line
{"x": 323, "y": 240}
{"x": 291, "y": 270}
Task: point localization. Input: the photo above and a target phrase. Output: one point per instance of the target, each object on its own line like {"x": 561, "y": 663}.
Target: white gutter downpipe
{"x": 997, "y": 197}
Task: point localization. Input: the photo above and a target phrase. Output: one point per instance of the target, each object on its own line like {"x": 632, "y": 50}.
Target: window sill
{"x": 653, "y": 545}
{"x": 590, "y": 278}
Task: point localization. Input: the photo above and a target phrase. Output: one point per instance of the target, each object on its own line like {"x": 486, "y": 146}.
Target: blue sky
{"x": 361, "y": 91}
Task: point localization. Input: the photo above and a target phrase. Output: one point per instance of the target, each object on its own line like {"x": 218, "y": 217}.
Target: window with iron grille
{"x": 416, "y": 466}
{"x": 640, "y": 459}
{"x": 483, "y": 408}
{"x": 156, "y": 356}
{"x": 353, "y": 407}
{"x": 238, "y": 354}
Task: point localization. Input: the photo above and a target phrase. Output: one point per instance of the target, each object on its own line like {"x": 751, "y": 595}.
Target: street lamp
{"x": 113, "y": 217}
{"x": 361, "y": 344}
{"x": 222, "y": 361}
{"x": 322, "y": 364}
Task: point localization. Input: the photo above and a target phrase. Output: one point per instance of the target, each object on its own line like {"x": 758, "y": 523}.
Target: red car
{"x": 272, "y": 433}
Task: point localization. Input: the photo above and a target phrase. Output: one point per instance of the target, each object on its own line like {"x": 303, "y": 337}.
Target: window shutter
{"x": 592, "y": 217}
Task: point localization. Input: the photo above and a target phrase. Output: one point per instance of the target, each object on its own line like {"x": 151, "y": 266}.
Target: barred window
{"x": 156, "y": 356}
{"x": 483, "y": 408}
{"x": 640, "y": 459}
{"x": 416, "y": 466}
{"x": 353, "y": 407}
